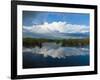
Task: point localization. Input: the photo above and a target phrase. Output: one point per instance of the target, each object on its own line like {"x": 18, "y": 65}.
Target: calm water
{"x": 53, "y": 55}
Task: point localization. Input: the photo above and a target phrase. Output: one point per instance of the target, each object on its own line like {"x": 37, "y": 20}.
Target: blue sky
{"x": 55, "y": 24}
{"x": 32, "y": 17}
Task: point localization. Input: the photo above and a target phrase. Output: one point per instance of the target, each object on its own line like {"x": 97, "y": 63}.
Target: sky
{"x": 48, "y": 24}
{"x": 32, "y": 17}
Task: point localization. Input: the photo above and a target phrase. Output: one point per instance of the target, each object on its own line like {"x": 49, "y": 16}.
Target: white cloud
{"x": 56, "y": 51}
{"x": 57, "y": 27}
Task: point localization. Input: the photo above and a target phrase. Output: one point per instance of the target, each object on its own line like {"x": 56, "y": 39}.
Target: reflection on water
{"x": 52, "y": 54}
{"x": 56, "y": 51}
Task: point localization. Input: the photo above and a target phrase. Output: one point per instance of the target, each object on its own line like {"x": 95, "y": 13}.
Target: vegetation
{"x": 32, "y": 42}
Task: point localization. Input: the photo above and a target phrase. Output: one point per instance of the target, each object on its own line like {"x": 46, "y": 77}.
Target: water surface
{"x": 54, "y": 55}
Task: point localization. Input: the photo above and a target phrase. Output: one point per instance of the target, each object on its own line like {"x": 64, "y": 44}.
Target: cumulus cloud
{"x": 58, "y": 27}
{"x": 56, "y": 51}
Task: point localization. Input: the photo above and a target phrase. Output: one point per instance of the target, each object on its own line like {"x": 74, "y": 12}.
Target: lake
{"x": 54, "y": 55}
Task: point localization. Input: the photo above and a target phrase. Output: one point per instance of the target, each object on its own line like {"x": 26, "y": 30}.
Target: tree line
{"x": 32, "y": 42}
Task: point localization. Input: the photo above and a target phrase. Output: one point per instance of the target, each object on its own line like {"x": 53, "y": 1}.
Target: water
{"x": 54, "y": 55}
